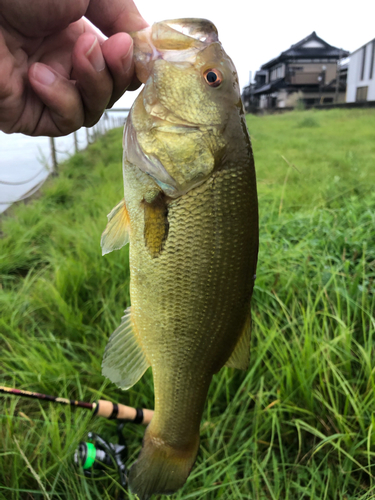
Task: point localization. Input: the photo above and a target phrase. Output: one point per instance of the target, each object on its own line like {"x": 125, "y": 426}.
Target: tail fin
{"x": 161, "y": 468}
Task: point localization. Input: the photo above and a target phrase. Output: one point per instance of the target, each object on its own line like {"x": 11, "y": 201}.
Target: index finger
{"x": 114, "y": 16}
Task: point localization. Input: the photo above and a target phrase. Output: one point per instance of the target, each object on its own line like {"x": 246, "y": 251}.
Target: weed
{"x": 300, "y": 423}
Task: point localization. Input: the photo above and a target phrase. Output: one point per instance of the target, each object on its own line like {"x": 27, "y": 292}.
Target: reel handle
{"x": 110, "y": 410}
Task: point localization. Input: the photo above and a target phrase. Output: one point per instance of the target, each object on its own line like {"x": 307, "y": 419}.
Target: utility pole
{"x": 75, "y": 142}
{"x": 54, "y": 157}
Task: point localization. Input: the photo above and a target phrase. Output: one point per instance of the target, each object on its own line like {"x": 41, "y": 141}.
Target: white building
{"x": 361, "y": 74}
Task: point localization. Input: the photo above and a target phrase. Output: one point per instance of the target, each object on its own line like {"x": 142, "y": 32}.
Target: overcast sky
{"x": 254, "y": 32}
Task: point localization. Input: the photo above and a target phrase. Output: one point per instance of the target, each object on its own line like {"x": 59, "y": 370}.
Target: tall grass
{"x": 300, "y": 423}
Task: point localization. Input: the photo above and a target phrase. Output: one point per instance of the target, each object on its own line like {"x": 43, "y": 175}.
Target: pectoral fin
{"x": 240, "y": 357}
{"x": 124, "y": 361}
{"x": 116, "y": 234}
{"x": 156, "y": 225}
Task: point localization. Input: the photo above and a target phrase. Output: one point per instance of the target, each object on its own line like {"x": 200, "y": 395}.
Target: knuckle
{"x": 8, "y": 87}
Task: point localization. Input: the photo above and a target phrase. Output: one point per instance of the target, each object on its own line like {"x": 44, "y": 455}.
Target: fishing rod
{"x": 101, "y": 408}
{"x": 96, "y": 455}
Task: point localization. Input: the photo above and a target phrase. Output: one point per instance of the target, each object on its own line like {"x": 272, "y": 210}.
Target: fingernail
{"x": 126, "y": 60}
{"x": 95, "y": 56}
{"x": 43, "y": 74}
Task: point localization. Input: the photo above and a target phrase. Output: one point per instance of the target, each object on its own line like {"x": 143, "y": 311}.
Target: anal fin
{"x": 240, "y": 357}
{"x": 124, "y": 360}
{"x": 116, "y": 234}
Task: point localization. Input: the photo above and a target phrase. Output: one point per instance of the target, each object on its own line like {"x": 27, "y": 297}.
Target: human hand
{"x": 56, "y": 72}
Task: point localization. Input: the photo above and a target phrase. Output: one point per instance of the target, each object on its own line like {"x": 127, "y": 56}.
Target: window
{"x": 276, "y": 72}
{"x": 328, "y": 100}
{"x": 361, "y": 94}
{"x": 372, "y": 59}
{"x": 363, "y": 62}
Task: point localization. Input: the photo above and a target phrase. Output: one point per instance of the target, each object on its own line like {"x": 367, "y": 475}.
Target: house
{"x": 307, "y": 72}
{"x": 361, "y": 74}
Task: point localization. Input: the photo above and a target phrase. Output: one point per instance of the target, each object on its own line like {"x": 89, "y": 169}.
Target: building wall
{"x": 305, "y": 73}
{"x": 285, "y": 99}
{"x": 355, "y": 73}
{"x": 313, "y": 70}
{"x": 264, "y": 101}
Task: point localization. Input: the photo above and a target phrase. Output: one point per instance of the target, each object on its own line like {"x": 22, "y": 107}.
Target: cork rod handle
{"x": 110, "y": 410}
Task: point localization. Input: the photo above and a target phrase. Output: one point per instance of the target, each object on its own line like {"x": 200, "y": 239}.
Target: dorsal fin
{"x": 116, "y": 233}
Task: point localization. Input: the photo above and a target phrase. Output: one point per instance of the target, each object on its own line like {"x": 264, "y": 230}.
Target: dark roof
{"x": 271, "y": 87}
{"x": 299, "y": 51}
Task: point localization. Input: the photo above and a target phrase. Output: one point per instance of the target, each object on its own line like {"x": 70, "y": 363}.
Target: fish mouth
{"x": 172, "y": 40}
{"x": 199, "y": 29}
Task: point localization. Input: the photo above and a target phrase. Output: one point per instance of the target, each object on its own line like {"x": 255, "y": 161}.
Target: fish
{"x": 190, "y": 215}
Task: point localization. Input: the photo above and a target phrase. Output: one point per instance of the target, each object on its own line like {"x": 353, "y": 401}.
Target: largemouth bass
{"x": 190, "y": 214}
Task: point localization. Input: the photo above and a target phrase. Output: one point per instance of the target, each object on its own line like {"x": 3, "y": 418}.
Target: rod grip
{"x": 109, "y": 410}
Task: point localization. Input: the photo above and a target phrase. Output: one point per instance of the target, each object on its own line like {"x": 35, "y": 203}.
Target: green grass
{"x": 300, "y": 424}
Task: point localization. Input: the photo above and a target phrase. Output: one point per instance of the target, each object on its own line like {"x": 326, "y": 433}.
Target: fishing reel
{"x": 97, "y": 455}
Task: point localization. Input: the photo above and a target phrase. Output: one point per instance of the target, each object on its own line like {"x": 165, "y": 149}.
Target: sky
{"x": 254, "y": 32}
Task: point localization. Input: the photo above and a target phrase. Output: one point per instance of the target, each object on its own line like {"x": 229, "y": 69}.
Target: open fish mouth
{"x": 199, "y": 29}
{"x": 173, "y": 40}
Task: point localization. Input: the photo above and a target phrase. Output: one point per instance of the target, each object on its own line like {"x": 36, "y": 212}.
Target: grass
{"x": 300, "y": 424}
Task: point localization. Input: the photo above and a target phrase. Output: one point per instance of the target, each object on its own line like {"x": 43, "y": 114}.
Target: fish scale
{"x": 202, "y": 288}
{"x": 190, "y": 214}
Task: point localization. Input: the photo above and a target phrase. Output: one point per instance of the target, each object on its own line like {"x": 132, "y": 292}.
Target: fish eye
{"x": 213, "y": 77}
